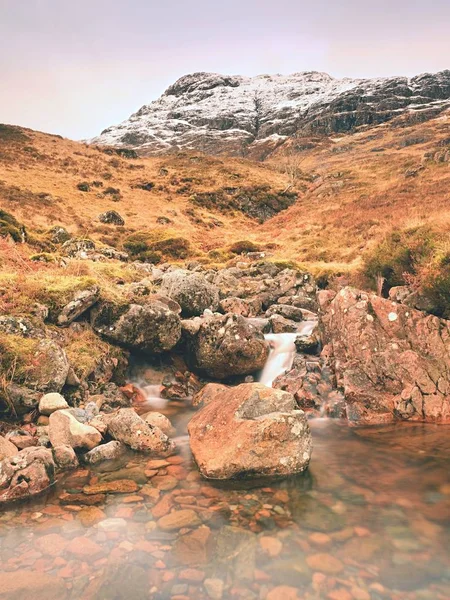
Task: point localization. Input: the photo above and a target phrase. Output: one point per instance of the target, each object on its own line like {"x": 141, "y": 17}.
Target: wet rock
{"x": 178, "y": 519}
{"x": 81, "y": 302}
{"x": 285, "y": 310}
{"x": 250, "y": 416}
{"x": 127, "y": 427}
{"x": 325, "y": 563}
{"x": 121, "y": 486}
{"x": 214, "y": 588}
{"x": 227, "y": 345}
{"x": 66, "y": 430}
{"x": 392, "y": 361}
{"x": 111, "y": 217}
{"x": 110, "y": 451}
{"x": 158, "y": 420}
{"x": 7, "y": 448}
{"x": 151, "y": 327}
{"x": 121, "y": 582}
{"x": 65, "y": 457}
{"x": 49, "y": 403}
{"x": 311, "y": 514}
{"x": 26, "y": 474}
{"x": 194, "y": 548}
{"x": 309, "y": 344}
{"x": 193, "y": 292}
{"x": 23, "y": 584}
{"x": 280, "y": 324}
{"x": 236, "y": 553}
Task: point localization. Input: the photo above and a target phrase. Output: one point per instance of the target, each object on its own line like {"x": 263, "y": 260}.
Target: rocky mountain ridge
{"x": 252, "y": 116}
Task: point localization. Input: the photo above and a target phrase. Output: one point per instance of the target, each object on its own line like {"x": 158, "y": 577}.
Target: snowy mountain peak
{"x": 240, "y": 115}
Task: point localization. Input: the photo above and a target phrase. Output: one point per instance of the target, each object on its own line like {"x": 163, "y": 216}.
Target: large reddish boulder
{"x": 391, "y": 361}
{"x": 250, "y": 431}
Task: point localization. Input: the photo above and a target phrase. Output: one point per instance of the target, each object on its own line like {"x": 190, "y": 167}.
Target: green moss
{"x": 86, "y": 351}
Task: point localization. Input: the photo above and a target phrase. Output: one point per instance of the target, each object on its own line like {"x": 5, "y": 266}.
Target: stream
{"x": 369, "y": 520}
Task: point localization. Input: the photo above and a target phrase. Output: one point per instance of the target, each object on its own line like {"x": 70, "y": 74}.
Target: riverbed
{"x": 369, "y": 520}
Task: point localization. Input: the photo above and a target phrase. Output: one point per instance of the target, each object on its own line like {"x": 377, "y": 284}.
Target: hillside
{"x": 338, "y": 196}
{"x": 253, "y": 116}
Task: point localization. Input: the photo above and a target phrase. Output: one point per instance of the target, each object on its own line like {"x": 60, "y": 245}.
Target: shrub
{"x": 177, "y": 247}
{"x": 84, "y": 186}
{"x": 243, "y": 247}
{"x": 10, "y": 226}
{"x": 400, "y": 253}
{"x": 148, "y": 246}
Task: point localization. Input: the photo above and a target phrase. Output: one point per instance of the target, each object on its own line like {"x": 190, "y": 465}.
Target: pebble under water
{"x": 369, "y": 520}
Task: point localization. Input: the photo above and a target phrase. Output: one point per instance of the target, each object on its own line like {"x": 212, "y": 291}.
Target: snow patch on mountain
{"x": 229, "y": 114}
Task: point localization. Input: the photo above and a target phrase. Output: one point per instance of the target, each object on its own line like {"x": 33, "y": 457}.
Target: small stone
{"x": 270, "y": 546}
{"x": 52, "y": 544}
{"x": 7, "y": 448}
{"x": 214, "y": 588}
{"x": 90, "y": 516}
{"x": 283, "y": 592}
{"x": 178, "y": 519}
{"x": 122, "y": 486}
{"x": 83, "y": 548}
{"x": 325, "y": 563}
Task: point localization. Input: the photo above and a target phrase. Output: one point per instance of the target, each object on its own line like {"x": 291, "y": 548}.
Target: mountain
{"x": 252, "y": 116}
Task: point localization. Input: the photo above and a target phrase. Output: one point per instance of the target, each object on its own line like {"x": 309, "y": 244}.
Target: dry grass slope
{"x": 351, "y": 190}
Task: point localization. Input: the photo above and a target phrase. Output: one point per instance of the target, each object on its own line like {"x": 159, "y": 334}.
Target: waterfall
{"x": 282, "y": 352}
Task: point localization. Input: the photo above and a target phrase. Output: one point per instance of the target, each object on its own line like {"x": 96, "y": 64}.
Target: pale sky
{"x": 74, "y": 67}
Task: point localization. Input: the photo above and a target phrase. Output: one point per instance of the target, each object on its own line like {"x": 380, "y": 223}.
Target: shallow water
{"x": 369, "y": 520}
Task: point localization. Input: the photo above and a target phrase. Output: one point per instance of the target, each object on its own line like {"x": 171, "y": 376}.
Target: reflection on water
{"x": 370, "y": 520}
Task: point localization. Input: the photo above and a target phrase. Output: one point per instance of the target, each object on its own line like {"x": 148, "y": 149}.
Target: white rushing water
{"x": 282, "y": 352}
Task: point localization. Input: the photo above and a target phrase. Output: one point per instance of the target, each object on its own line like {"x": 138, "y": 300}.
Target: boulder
{"x": 247, "y": 307}
{"x": 78, "y": 247}
{"x": 126, "y": 426}
{"x": 21, "y": 398}
{"x": 392, "y": 361}
{"x": 66, "y": 430}
{"x": 227, "y": 345}
{"x": 151, "y": 327}
{"x": 7, "y": 448}
{"x": 81, "y": 302}
{"x": 65, "y": 457}
{"x": 26, "y": 474}
{"x": 50, "y": 367}
{"x": 109, "y": 451}
{"x": 49, "y": 403}
{"x": 111, "y": 217}
{"x": 193, "y": 292}
{"x": 250, "y": 431}
{"x": 158, "y": 420}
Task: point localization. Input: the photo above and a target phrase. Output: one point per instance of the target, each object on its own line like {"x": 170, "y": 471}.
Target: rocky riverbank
{"x": 381, "y": 361}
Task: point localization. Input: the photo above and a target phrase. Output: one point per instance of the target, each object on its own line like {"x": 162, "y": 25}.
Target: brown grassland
{"x": 352, "y": 191}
